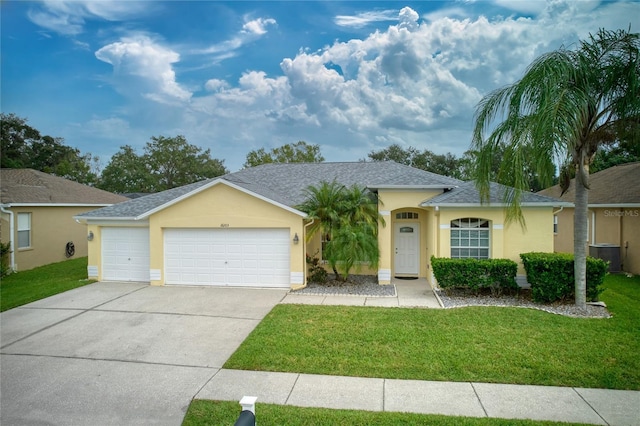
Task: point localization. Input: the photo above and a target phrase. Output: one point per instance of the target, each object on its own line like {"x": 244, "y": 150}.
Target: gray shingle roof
{"x": 28, "y": 186}
{"x": 467, "y": 193}
{"x": 616, "y": 185}
{"x": 285, "y": 183}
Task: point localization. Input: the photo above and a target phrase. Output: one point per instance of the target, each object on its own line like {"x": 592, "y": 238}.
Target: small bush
{"x": 551, "y": 276}
{"x": 317, "y": 273}
{"x": 495, "y": 274}
{"x": 5, "y": 251}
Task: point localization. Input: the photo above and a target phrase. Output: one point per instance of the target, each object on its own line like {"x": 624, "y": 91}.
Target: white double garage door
{"x": 218, "y": 257}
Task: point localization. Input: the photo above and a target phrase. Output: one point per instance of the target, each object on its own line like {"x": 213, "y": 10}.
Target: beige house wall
{"x": 607, "y": 225}
{"x": 52, "y": 227}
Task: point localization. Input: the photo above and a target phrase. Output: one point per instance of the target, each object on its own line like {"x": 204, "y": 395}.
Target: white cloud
{"x": 68, "y": 17}
{"x": 416, "y": 83}
{"x": 142, "y": 65}
{"x": 251, "y": 31}
{"x": 258, "y": 26}
{"x": 365, "y": 18}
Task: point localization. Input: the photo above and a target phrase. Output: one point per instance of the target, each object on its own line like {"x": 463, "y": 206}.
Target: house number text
{"x": 224, "y": 225}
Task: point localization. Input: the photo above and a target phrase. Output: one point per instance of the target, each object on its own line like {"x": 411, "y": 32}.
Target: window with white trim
{"x": 555, "y": 224}
{"x": 24, "y": 230}
{"x": 470, "y": 238}
{"x": 406, "y": 215}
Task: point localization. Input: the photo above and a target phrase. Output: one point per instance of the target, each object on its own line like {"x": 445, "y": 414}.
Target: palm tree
{"x": 348, "y": 218}
{"x": 568, "y": 104}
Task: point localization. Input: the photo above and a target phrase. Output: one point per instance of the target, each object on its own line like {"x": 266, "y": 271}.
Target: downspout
{"x": 593, "y": 227}
{"x": 11, "y": 236}
{"x": 304, "y": 239}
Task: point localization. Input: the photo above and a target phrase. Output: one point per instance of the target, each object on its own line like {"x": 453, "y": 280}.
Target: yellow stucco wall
{"x": 51, "y": 229}
{"x": 506, "y": 241}
{"x": 220, "y": 206}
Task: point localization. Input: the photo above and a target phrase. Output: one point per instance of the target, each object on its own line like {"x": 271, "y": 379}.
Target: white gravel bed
{"x": 453, "y": 300}
{"x": 356, "y": 285}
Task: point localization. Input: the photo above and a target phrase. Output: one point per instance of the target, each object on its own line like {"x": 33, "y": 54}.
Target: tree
{"x": 173, "y": 162}
{"x": 126, "y": 173}
{"x": 24, "y": 147}
{"x": 299, "y": 152}
{"x": 348, "y": 219}
{"x": 166, "y": 163}
{"x": 568, "y": 105}
{"x": 442, "y": 164}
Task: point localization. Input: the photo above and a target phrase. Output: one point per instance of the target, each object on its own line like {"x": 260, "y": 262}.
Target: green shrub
{"x": 551, "y": 276}
{"x": 5, "y": 251}
{"x": 317, "y": 273}
{"x": 473, "y": 274}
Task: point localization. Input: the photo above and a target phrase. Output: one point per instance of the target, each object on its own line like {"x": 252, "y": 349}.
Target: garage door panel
{"x": 233, "y": 257}
{"x": 125, "y": 254}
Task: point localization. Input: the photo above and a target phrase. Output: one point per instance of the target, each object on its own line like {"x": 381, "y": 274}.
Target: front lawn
{"x": 202, "y": 413}
{"x": 35, "y": 284}
{"x": 480, "y": 344}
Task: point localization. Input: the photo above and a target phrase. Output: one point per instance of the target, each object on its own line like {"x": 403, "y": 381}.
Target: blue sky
{"x": 233, "y": 77}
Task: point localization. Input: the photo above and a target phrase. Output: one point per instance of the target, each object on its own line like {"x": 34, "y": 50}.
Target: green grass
{"x": 35, "y": 284}
{"x": 225, "y": 413}
{"x": 481, "y": 344}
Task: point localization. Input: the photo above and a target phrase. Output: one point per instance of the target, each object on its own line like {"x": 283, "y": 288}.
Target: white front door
{"x": 407, "y": 248}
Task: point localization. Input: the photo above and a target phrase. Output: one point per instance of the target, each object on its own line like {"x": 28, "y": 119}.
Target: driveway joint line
{"x": 384, "y": 389}
{"x": 484, "y": 410}
{"x": 286, "y": 402}
{"x": 123, "y": 311}
{"x": 218, "y": 370}
{"x": 43, "y": 329}
{"x": 126, "y": 361}
{"x": 590, "y": 406}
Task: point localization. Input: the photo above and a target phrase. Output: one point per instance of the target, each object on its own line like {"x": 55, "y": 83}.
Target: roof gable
{"x": 467, "y": 194}
{"x": 616, "y": 185}
{"x": 28, "y": 186}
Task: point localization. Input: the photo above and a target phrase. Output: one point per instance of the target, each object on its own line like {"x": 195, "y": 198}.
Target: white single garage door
{"x": 125, "y": 254}
{"x": 227, "y": 257}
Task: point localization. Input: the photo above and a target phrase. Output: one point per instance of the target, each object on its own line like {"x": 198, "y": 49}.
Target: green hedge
{"x": 495, "y": 274}
{"x": 551, "y": 276}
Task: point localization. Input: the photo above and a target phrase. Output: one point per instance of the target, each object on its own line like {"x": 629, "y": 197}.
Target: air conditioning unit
{"x": 609, "y": 253}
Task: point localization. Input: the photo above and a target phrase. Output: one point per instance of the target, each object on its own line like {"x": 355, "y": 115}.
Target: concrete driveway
{"x": 120, "y": 353}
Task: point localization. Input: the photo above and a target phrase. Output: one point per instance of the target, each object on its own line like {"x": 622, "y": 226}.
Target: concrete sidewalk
{"x": 409, "y": 294}
{"x": 562, "y": 404}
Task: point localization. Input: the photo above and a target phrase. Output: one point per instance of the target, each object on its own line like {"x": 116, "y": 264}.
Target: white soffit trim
{"x": 212, "y": 184}
{"x": 113, "y": 221}
{"x": 411, "y": 187}
{"x": 56, "y": 205}
{"x": 609, "y": 206}
{"x": 476, "y": 205}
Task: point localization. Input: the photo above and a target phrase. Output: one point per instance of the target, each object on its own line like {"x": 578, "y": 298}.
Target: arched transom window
{"x": 470, "y": 238}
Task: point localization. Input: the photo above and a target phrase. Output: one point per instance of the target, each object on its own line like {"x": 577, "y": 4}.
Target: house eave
{"x": 492, "y": 205}
{"x": 411, "y": 187}
{"x": 9, "y": 205}
{"x": 111, "y": 221}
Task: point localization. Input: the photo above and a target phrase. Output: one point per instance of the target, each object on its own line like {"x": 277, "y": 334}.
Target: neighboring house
{"x": 243, "y": 229}
{"x": 614, "y": 217}
{"x": 37, "y": 216}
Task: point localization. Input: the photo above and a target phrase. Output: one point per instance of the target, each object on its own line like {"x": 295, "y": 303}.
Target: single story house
{"x": 37, "y": 211}
{"x": 614, "y": 217}
{"x": 243, "y": 228}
